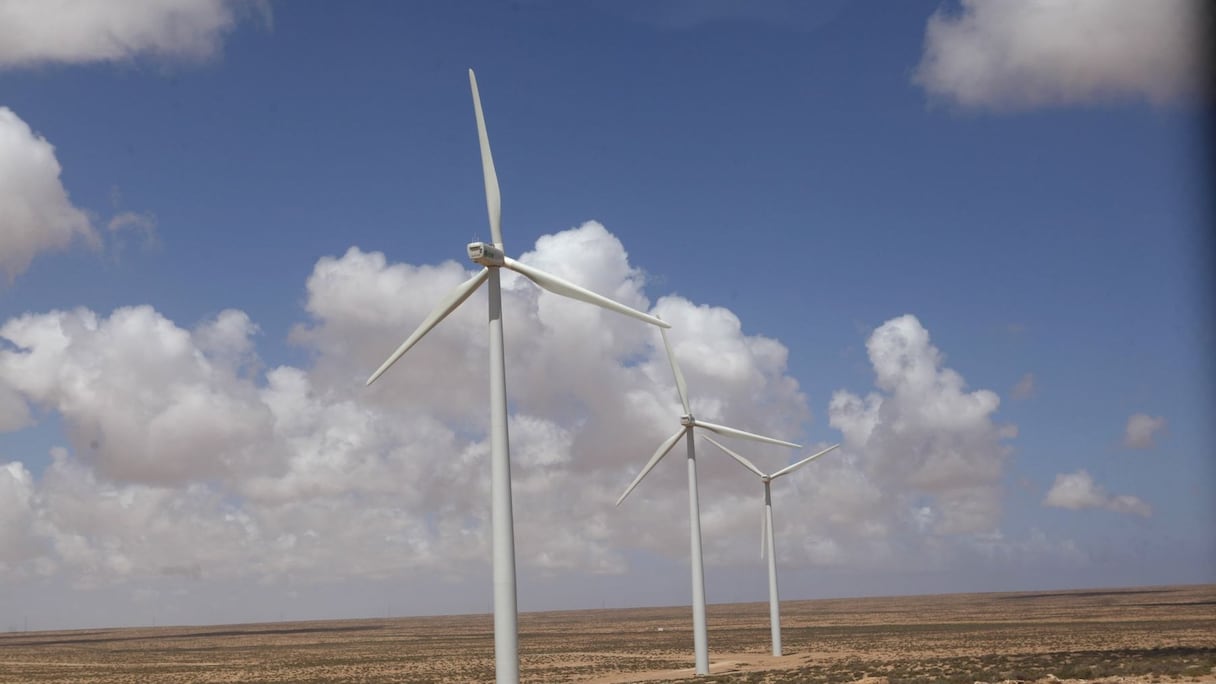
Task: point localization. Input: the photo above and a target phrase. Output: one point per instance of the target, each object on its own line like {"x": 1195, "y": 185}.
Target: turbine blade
{"x": 675, "y": 368}
{"x": 447, "y": 306}
{"x": 742, "y": 461}
{"x": 493, "y": 198}
{"x": 799, "y": 464}
{"x": 658, "y": 455}
{"x": 568, "y": 289}
{"x": 732, "y": 432}
{"x": 763, "y": 530}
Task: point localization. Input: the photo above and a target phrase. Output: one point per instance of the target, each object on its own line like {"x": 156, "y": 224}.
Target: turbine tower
{"x": 766, "y": 532}
{"x": 687, "y": 424}
{"x": 492, "y": 258}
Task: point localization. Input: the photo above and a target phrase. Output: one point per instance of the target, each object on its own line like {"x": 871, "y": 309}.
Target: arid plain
{"x": 1150, "y": 634}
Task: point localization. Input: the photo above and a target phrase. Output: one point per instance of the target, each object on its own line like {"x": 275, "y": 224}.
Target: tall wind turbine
{"x": 687, "y": 425}
{"x": 492, "y": 258}
{"x": 766, "y": 533}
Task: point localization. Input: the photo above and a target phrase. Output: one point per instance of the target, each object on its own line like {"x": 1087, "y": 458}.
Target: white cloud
{"x": 1140, "y": 429}
{"x": 35, "y": 212}
{"x": 227, "y": 338}
{"x": 1025, "y": 387}
{"x": 14, "y": 412}
{"x": 1018, "y": 55}
{"x": 923, "y": 437}
{"x": 19, "y": 544}
{"x": 1078, "y": 490}
{"x": 141, "y": 399}
{"x": 78, "y": 31}
{"x": 1126, "y": 503}
{"x": 104, "y": 531}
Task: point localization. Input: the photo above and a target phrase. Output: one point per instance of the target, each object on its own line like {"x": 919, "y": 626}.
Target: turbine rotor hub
{"x": 688, "y": 421}
{"x": 486, "y": 254}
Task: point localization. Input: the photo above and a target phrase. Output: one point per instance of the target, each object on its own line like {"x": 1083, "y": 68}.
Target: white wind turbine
{"x": 491, "y": 256}
{"x": 766, "y": 532}
{"x": 687, "y": 424}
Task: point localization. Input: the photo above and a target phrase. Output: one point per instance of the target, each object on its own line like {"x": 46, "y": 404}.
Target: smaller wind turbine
{"x": 766, "y": 532}
{"x": 687, "y": 425}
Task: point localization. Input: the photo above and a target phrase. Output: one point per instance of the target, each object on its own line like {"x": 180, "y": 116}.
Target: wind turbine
{"x": 687, "y": 424}
{"x": 492, "y": 258}
{"x": 766, "y": 533}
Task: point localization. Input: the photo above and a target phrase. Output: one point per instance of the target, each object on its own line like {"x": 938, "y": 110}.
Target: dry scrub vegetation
{"x": 1157, "y": 634}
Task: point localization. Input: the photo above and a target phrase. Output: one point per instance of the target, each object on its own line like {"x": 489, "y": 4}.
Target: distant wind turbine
{"x": 687, "y": 424}
{"x": 492, "y": 257}
{"x": 766, "y": 532}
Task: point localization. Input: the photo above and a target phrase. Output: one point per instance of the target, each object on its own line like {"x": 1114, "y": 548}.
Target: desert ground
{"x": 1149, "y": 634}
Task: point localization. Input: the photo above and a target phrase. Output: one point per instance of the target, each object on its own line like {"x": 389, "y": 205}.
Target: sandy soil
{"x": 1152, "y": 634}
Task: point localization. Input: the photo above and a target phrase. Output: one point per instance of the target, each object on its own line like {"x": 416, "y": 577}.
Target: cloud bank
{"x": 187, "y": 459}
{"x": 991, "y": 54}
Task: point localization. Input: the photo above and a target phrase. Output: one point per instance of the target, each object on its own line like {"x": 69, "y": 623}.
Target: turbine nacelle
{"x": 688, "y": 421}
{"x": 487, "y": 254}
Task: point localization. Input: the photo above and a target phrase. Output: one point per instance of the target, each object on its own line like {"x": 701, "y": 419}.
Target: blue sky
{"x": 806, "y": 170}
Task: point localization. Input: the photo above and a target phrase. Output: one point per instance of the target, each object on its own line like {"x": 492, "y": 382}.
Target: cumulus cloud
{"x": 923, "y": 439}
{"x": 1078, "y": 490}
{"x": 78, "y": 31}
{"x": 1025, "y": 387}
{"x": 35, "y": 212}
{"x": 19, "y": 542}
{"x": 142, "y": 399}
{"x": 1140, "y": 429}
{"x": 1020, "y": 55}
{"x": 14, "y": 412}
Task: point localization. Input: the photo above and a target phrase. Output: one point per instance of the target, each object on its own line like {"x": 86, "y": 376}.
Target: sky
{"x": 969, "y": 241}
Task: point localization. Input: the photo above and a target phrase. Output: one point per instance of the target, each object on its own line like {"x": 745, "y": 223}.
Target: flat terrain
{"x": 1152, "y": 634}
